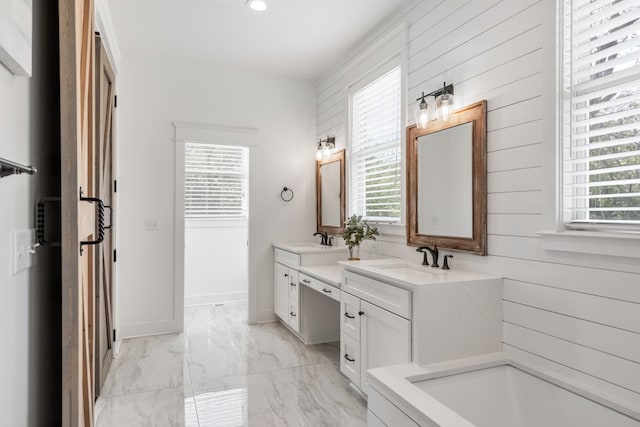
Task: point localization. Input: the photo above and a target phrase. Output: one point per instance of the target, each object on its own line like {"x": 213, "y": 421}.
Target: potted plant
{"x": 355, "y": 231}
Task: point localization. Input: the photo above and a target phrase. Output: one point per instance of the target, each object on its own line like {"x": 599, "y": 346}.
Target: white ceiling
{"x": 293, "y": 38}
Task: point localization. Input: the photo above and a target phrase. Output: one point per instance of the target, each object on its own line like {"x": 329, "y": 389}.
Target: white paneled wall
{"x": 577, "y": 314}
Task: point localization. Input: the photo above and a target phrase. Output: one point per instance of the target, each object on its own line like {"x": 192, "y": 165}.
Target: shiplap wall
{"x": 576, "y": 314}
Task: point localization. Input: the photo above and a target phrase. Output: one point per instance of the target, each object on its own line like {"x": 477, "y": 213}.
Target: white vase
{"x": 354, "y": 253}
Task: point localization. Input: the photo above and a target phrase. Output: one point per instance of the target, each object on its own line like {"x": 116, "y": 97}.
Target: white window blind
{"x": 602, "y": 137}
{"x": 375, "y": 149}
{"x": 216, "y": 181}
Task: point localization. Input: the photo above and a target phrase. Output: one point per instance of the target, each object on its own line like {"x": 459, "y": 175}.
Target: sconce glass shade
{"x": 327, "y": 150}
{"x": 421, "y": 112}
{"x": 319, "y": 154}
{"x": 444, "y": 106}
{"x": 257, "y": 5}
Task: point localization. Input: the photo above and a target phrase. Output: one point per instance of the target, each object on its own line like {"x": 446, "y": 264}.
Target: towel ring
{"x": 284, "y": 193}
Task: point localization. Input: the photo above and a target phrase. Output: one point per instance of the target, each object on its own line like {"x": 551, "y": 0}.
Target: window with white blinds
{"x": 602, "y": 114}
{"x": 376, "y": 149}
{"x": 216, "y": 181}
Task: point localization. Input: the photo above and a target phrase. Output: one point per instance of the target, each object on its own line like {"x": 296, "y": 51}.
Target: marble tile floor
{"x": 223, "y": 372}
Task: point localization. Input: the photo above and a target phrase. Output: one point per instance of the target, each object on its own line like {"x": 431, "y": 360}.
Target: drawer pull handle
{"x": 305, "y": 281}
{"x": 346, "y": 356}
{"x": 326, "y": 291}
{"x": 293, "y": 284}
{"x": 346, "y": 314}
{"x": 292, "y": 314}
{"x": 286, "y": 275}
{"x": 360, "y": 313}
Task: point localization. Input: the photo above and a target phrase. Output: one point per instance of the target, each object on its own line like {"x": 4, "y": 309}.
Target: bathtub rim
{"x": 396, "y": 384}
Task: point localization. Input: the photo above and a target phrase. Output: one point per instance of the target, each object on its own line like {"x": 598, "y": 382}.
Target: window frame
{"x": 594, "y": 240}
{"x": 566, "y": 137}
{"x": 243, "y": 172}
{"x": 397, "y": 61}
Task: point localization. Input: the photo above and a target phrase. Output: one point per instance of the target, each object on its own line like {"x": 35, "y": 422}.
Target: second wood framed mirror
{"x": 447, "y": 182}
{"x": 330, "y": 193}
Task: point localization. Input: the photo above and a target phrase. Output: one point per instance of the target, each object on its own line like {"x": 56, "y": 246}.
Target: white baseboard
{"x": 215, "y": 298}
{"x": 152, "y": 328}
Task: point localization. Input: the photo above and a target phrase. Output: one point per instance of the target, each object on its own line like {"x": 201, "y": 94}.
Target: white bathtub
{"x": 495, "y": 392}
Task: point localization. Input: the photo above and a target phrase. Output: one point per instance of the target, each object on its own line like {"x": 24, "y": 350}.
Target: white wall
{"x": 154, "y": 92}
{"x": 216, "y": 261}
{"x": 30, "y": 300}
{"x": 579, "y": 314}
{"x": 14, "y": 290}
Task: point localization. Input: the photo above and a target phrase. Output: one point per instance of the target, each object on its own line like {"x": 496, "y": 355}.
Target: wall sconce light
{"x": 438, "y": 107}
{"x": 257, "y": 5}
{"x": 325, "y": 147}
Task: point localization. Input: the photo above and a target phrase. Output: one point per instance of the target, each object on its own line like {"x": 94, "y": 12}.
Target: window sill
{"x": 592, "y": 242}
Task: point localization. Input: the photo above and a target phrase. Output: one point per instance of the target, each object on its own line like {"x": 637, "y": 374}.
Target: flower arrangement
{"x": 355, "y": 231}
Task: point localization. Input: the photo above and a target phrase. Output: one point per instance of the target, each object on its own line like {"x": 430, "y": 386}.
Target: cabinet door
{"x": 281, "y": 291}
{"x": 385, "y": 339}
{"x": 349, "y": 315}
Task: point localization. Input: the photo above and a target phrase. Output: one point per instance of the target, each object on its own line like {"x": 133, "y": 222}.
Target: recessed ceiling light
{"x": 258, "y": 5}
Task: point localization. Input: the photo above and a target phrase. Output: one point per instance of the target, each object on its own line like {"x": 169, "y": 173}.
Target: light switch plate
{"x": 24, "y": 255}
{"x": 151, "y": 224}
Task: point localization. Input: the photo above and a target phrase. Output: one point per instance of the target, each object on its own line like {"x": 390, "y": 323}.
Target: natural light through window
{"x": 216, "y": 181}
{"x": 375, "y": 177}
{"x": 602, "y": 114}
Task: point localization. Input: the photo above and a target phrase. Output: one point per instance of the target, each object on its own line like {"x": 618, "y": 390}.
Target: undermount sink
{"x": 410, "y": 272}
{"x": 407, "y": 274}
{"x": 407, "y": 268}
{"x": 309, "y": 247}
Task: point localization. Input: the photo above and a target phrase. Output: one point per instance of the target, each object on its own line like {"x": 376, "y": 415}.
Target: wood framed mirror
{"x": 447, "y": 182}
{"x": 330, "y": 193}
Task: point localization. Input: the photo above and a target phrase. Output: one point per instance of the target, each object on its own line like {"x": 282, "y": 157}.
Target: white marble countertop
{"x": 404, "y": 274}
{"x": 308, "y": 248}
{"x": 330, "y": 274}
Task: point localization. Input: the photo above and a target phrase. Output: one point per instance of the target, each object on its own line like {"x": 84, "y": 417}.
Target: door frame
{"x": 222, "y": 135}
{"x": 104, "y": 26}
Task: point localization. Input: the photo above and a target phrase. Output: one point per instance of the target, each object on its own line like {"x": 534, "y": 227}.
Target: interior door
{"x": 78, "y": 216}
{"x": 104, "y": 174}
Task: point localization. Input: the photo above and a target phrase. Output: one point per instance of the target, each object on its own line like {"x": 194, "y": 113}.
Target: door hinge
{"x": 115, "y": 185}
{"x": 114, "y": 335}
{"x": 115, "y": 256}
{"x": 115, "y": 101}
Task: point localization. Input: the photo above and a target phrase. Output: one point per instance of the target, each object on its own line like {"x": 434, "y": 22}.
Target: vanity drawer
{"x": 350, "y": 358}
{"x": 287, "y": 258}
{"x": 317, "y": 285}
{"x": 350, "y": 316}
{"x": 392, "y": 298}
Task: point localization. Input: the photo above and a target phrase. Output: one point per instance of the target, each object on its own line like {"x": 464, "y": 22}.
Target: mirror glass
{"x": 330, "y": 194}
{"x": 447, "y": 181}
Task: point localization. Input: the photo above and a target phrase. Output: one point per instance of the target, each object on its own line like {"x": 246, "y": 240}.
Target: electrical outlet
{"x": 24, "y": 252}
{"x": 151, "y": 224}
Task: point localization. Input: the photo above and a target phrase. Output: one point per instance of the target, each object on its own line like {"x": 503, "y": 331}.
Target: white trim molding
{"x": 104, "y": 25}
{"x": 224, "y": 135}
{"x": 596, "y": 243}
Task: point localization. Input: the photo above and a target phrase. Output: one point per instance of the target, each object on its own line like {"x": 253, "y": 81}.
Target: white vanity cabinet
{"x": 372, "y": 336}
{"x": 310, "y": 313}
{"x": 394, "y": 312}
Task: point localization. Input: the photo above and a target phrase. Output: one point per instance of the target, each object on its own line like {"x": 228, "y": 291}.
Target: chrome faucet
{"x": 434, "y": 255}
{"x": 325, "y": 240}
